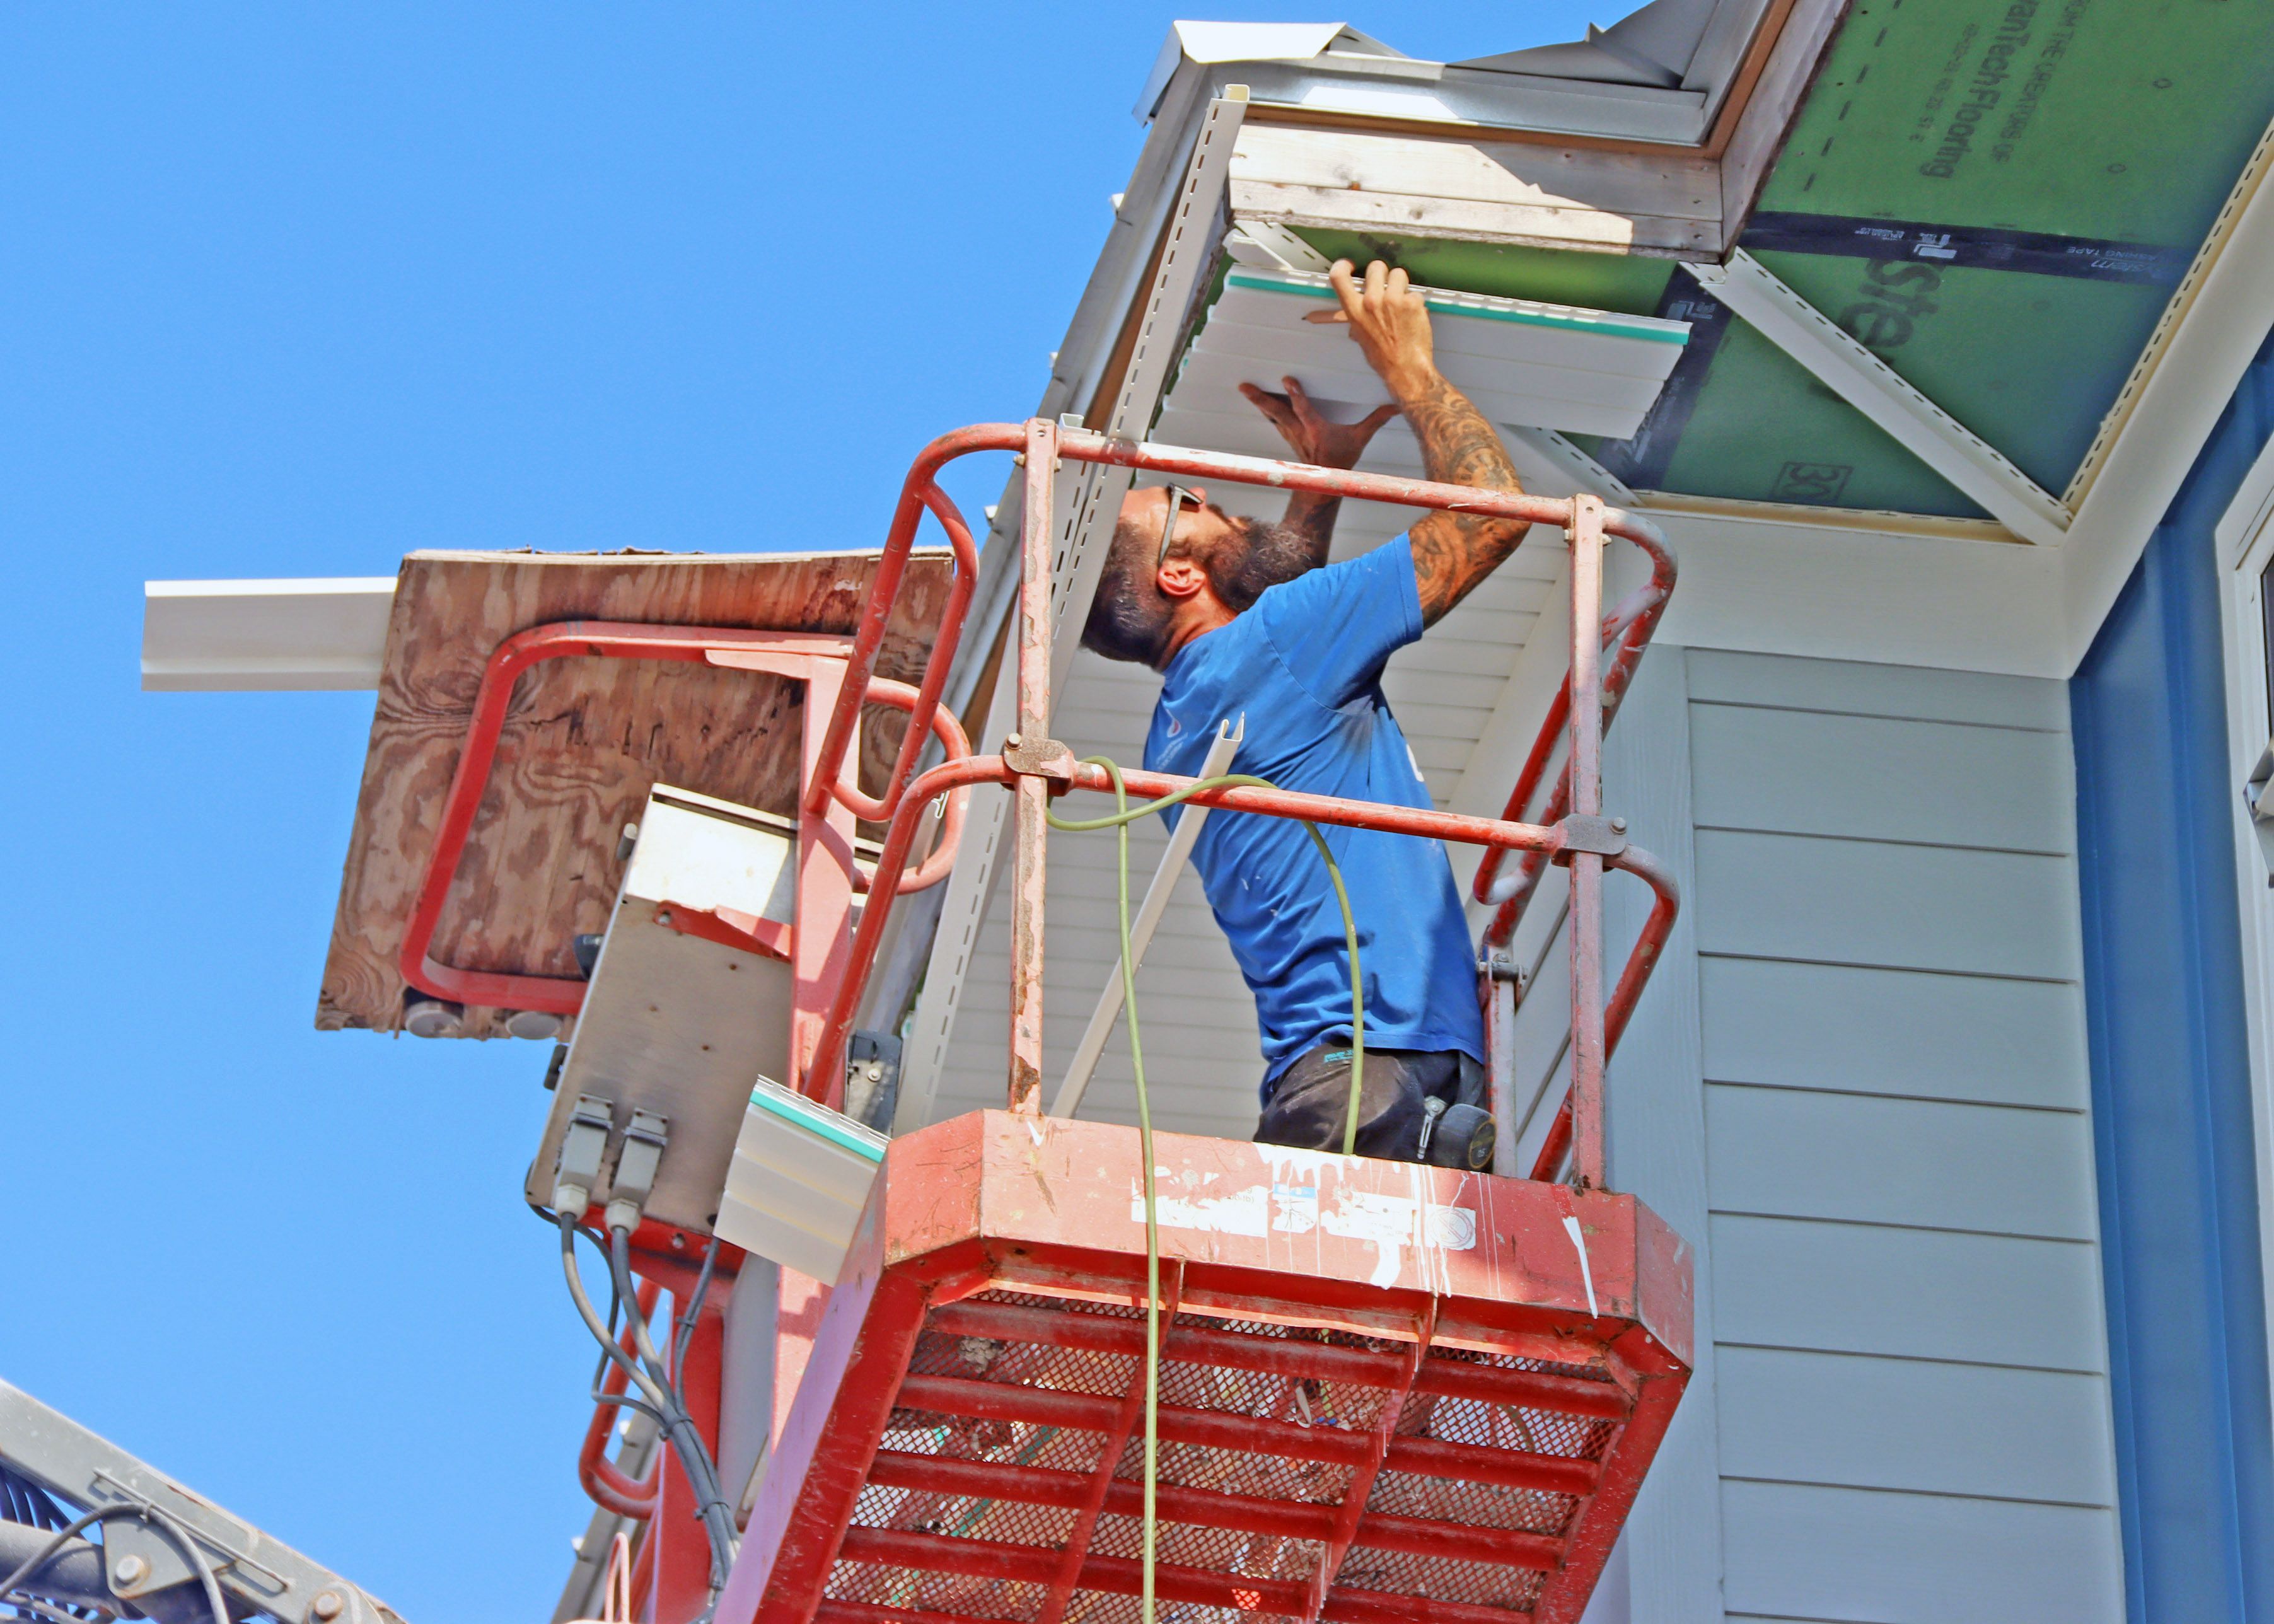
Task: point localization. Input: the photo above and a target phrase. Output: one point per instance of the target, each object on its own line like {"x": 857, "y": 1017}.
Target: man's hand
{"x": 1389, "y": 319}
{"x": 1452, "y": 553}
{"x": 1310, "y": 516}
{"x": 1310, "y": 436}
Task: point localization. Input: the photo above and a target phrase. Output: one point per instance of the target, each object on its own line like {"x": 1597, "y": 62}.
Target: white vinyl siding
{"x": 1909, "y": 1357}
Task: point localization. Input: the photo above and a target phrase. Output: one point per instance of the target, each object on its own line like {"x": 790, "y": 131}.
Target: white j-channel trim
{"x": 2244, "y": 539}
{"x": 1870, "y": 385}
{"x": 222, "y": 635}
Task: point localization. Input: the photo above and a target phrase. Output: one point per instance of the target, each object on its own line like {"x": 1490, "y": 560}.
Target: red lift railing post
{"x": 1029, "y": 874}
{"x": 1627, "y": 632}
{"x": 1585, "y": 534}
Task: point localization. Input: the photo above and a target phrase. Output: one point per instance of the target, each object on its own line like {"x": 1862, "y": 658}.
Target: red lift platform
{"x": 1390, "y": 1393}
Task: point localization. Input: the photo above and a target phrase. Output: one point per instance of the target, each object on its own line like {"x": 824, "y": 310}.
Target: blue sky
{"x": 291, "y": 291}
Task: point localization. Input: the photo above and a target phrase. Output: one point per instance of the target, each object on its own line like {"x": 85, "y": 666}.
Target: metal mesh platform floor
{"x": 1388, "y": 1394}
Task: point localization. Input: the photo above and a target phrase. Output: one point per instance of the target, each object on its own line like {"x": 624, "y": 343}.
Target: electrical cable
{"x": 686, "y": 1333}
{"x": 1119, "y": 821}
{"x": 678, "y": 1427}
{"x": 623, "y": 1401}
{"x": 24, "y": 1601}
{"x": 1123, "y": 818}
{"x": 167, "y": 1525}
{"x": 694, "y": 1456}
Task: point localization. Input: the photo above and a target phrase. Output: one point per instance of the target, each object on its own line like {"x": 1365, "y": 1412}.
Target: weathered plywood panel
{"x": 1916, "y": 1425}
{"x": 1895, "y": 906}
{"x": 1876, "y": 778}
{"x": 583, "y": 743}
{"x": 1722, "y": 676}
{"x": 1856, "y": 1288}
{"x": 1987, "y": 1039}
{"x": 1795, "y": 1551}
{"x": 1859, "y": 1159}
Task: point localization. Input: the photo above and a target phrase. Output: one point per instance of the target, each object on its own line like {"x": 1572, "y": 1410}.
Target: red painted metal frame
{"x": 860, "y": 1355}
{"x": 1095, "y": 1493}
{"x": 610, "y": 1489}
{"x": 1626, "y": 633}
{"x": 827, "y": 872}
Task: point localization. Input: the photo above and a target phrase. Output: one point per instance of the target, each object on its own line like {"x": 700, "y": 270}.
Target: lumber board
{"x": 1525, "y": 225}
{"x": 1674, "y": 186}
{"x": 585, "y": 741}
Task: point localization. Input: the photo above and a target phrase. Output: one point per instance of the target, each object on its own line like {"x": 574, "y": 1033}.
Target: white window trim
{"x": 2245, "y": 542}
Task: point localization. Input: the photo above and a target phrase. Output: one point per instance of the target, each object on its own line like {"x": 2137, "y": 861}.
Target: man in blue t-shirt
{"x": 1244, "y": 618}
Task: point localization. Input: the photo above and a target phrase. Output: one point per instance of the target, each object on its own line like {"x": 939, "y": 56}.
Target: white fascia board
{"x": 1847, "y": 369}
{"x": 283, "y": 634}
{"x": 2220, "y": 314}
{"x": 1952, "y": 604}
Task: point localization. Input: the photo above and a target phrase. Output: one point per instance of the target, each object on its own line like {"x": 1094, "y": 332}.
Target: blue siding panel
{"x": 2171, "y": 1089}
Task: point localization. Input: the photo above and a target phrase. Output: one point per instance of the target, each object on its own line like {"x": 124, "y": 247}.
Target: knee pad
{"x": 1457, "y": 1136}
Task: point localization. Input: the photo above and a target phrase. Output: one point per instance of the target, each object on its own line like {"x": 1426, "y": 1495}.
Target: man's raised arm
{"x": 1313, "y": 440}
{"x": 1452, "y": 551}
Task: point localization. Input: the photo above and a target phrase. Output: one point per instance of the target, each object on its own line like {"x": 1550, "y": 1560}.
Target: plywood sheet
{"x": 583, "y": 741}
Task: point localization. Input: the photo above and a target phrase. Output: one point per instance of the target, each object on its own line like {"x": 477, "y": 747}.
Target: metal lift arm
{"x": 147, "y": 1570}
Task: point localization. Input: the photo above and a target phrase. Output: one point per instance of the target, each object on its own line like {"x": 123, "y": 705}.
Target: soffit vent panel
{"x": 1525, "y": 364}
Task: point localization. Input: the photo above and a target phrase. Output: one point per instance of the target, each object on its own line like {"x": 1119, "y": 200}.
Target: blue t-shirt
{"x": 1303, "y": 664}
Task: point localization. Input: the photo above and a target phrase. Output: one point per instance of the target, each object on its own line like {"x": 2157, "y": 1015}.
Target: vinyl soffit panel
{"x": 1524, "y": 362}
{"x": 1579, "y": 371}
{"x": 1509, "y": 316}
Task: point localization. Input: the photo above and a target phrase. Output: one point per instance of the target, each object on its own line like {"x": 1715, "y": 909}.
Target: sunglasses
{"x": 1177, "y": 497}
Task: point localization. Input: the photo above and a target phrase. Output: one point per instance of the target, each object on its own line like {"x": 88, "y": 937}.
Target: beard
{"x": 1274, "y": 555}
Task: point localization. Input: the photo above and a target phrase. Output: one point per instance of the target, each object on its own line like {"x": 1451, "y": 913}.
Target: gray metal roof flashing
{"x": 1659, "y": 75}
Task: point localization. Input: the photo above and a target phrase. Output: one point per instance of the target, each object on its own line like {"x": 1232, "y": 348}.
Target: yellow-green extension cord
{"x": 1119, "y": 821}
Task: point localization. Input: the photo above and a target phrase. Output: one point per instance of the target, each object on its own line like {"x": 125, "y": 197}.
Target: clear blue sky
{"x": 290, "y": 291}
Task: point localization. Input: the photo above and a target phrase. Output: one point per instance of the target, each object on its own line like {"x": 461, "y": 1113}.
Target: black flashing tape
{"x": 1642, "y": 461}
{"x": 1969, "y": 247}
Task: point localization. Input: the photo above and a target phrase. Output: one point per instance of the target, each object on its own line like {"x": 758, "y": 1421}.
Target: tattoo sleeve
{"x": 1452, "y": 553}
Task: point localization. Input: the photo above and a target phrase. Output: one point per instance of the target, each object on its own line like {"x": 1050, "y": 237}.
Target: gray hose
{"x": 70, "y": 1572}
{"x": 702, "y": 1473}
{"x": 63, "y": 1538}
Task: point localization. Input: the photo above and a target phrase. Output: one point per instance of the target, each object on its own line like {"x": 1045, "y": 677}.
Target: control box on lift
{"x": 689, "y": 1002}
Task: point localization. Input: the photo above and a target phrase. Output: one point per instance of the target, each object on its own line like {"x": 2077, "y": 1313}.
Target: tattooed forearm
{"x": 1452, "y": 553}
